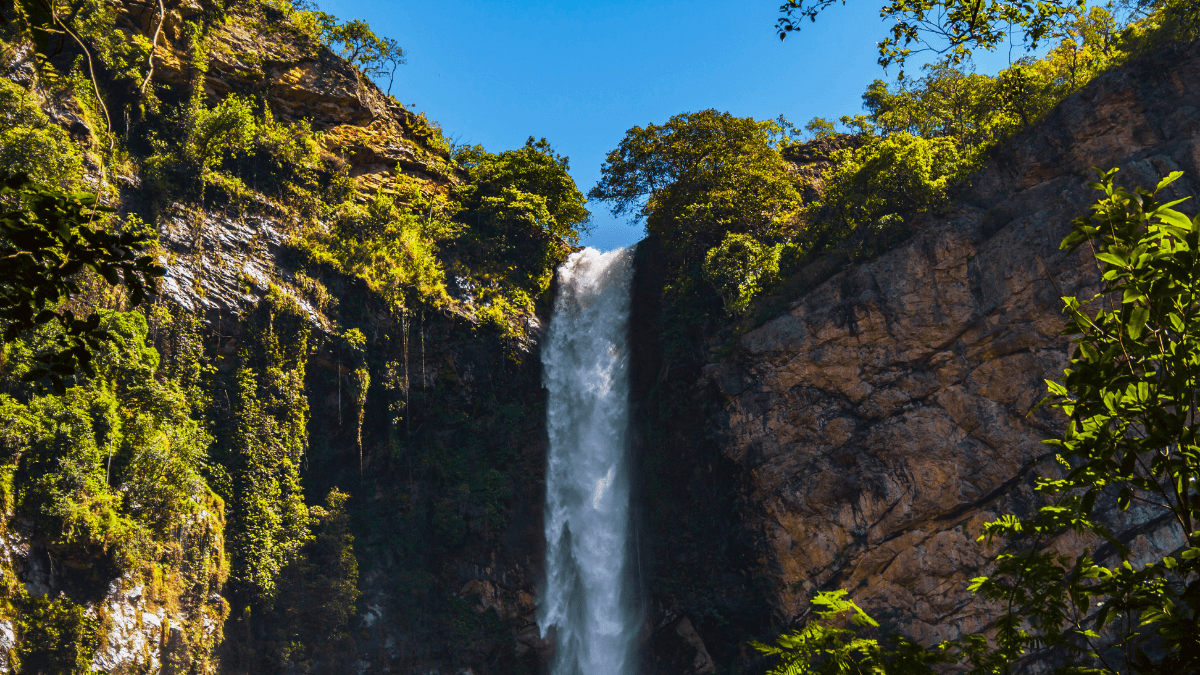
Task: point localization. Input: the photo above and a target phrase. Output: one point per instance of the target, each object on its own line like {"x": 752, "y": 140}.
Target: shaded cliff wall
{"x": 861, "y": 439}
{"x": 702, "y": 592}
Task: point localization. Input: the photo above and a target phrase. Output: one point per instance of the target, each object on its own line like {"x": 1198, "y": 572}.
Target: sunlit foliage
{"x": 521, "y": 211}
{"x": 700, "y": 176}
{"x": 31, "y": 144}
{"x": 738, "y": 267}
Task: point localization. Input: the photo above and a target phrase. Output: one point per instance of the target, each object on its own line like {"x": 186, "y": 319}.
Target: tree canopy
{"x": 699, "y": 176}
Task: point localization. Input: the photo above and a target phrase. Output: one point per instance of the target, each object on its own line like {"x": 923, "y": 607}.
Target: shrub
{"x": 31, "y": 144}
{"x": 888, "y": 177}
{"x": 739, "y": 268}
{"x": 228, "y": 128}
{"x": 387, "y": 245}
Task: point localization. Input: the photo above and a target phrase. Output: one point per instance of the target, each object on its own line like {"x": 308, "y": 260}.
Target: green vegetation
{"x": 314, "y": 454}
{"x": 522, "y": 213}
{"x": 700, "y": 176}
{"x": 738, "y": 267}
{"x": 48, "y": 238}
{"x": 390, "y": 245}
{"x": 169, "y": 440}
{"x": 110, "y": 474}
{"x": 59, "y": 637}
{"x": 32, "y": 145}
{"x": 262, "y": 446}
{"x": 823, "y": 648}
{"x": 1129, "y": 394}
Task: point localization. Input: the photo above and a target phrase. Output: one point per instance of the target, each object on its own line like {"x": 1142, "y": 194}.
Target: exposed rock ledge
{"x": 883, "y": 419}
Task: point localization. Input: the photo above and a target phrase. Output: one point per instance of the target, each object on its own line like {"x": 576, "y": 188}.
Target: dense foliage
{"x": 46, "y": 240}
{"x": 31, "y": 144}
{"x": 700, "y": 176}
{"x": 523, "y": 213}
{"x": 705, "y": 181}
{"x": 955, "y": 29}
{"x": 110, "y": 473}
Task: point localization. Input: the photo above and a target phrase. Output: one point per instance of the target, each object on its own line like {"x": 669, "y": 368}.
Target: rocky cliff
{"x": 444, "y": 466}
{"x": 880, "y": 421}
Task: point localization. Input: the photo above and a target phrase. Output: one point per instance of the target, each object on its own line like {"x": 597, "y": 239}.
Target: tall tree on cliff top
{"x": 699, "y": 177}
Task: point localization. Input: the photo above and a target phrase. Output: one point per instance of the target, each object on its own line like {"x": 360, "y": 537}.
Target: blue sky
{"x": 580, "y": 74}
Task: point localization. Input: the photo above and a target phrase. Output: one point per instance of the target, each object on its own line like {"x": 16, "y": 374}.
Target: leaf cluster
{"x": 739, "y": 267}
{"x": 823, "y": 648}
{"x": 47, "y": 238}
{"x": 30, "y": 143}
{"x": 1130, "y": 396}
{"x": 889, "y": 177}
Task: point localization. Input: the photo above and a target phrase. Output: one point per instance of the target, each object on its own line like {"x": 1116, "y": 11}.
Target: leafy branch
{"x": 45, "y": 242}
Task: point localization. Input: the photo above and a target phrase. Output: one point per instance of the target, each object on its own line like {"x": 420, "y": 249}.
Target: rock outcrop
{"x": 886, "y": 416}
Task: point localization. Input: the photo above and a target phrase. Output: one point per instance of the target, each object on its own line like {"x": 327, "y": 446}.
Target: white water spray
{"x": 586, "y": 364}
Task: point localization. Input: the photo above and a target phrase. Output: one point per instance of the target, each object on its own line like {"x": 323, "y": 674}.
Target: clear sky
{"x": 581, "y": 73}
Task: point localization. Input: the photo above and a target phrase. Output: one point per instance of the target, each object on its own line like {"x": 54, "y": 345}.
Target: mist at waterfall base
{"x": 587, "y": 603}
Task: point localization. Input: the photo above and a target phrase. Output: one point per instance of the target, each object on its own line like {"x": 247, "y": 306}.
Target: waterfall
{"x": 586, "y": 363}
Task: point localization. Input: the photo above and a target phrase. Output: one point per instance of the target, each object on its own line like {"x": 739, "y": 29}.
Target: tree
{"x": 47, "y": 238}
{"x": 946, "y": 102}
{"x": 1133, "y": 436}
{"x": 700, "y": 176}
{"x": 358, "y": 44}
{"x": 317, "y": 595}
{"x": 520, "y": 205}
{"x": 354, "y": 40}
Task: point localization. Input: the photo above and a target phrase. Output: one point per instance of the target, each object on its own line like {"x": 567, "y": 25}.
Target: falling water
{"x": 586, "y": 361}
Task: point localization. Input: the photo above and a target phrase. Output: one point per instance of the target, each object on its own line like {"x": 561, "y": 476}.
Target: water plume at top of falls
{"x": 586, "y": 362}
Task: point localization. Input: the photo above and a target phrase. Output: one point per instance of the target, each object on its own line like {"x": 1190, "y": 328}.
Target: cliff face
{"x": 444, "y": 471}
{"x": 886, "y": 416}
